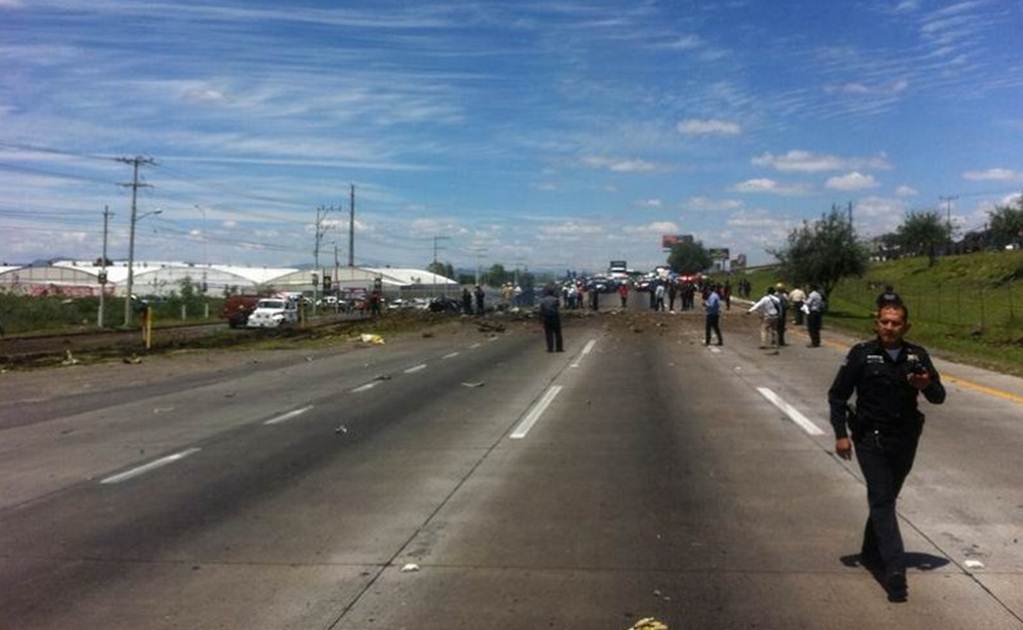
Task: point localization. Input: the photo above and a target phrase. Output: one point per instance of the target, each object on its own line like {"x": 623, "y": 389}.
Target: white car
{"x": 273, "y": 313}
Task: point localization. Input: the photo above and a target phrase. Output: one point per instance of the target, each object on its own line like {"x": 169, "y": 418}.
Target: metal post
{"x": 103, "y": 269}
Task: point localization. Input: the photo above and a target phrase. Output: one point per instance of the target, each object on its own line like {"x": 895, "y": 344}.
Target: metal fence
{"x": 970, "y": 306}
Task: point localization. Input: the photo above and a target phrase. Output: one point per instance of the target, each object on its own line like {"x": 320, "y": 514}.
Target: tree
{"x": 496, "y": 275}
{"x": 922, "y": 233}
{"x": 442, "y": 269}
{"x": 1006, "y": 224}
{"x": 689, "y": 257}
{"x": 822, "y": 253}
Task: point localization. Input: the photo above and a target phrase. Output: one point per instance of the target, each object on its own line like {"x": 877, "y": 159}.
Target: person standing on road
{"x": 480, "y": 299}
{"x": 768, "y": 307}
{"x": 814, "y": 309}
{"x": 466, "y": 301}
{"x": 659, "y": 297}
{"x": 726, "y": 294}
{"x": 887, "y": 375}
{"x": 551, "y": 319}
{"x": 672, "y": 294}
{"x": 623, "y": 293}
{"x": 712, "y": 306}
{"x": 797, "y": 297}
{"x": 783, "y": 307}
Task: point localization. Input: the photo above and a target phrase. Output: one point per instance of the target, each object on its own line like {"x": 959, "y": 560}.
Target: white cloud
{"x": 572, "y": 228}
{"x": 656, "y": 227}
{"x": 852, "y": 181}
{"x": 619, "y": 165}
{"x": 230, "y": 224}
{"x": 906, "y": 191}
{"x": 650, "y": 203}
{"x": 797, "y": 160}
{"x": 994, "y": 175}
{"x": 685, "y": 42}
{"x": 203, "y": 95}
{"x": 769, "y": 186}
{"x": 712, "y": 126}
{"x": 708, "y": 204}
{"x": 546, "y": 186}
{"x": 858, "y": 88}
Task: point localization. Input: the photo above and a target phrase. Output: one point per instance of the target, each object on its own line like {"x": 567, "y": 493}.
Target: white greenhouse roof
{"x": 405, "y": 276}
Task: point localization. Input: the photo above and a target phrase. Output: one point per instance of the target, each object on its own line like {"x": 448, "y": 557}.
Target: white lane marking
{"x": 475, "y": 345}
{"x": 535, "y": 413}
{"x": 451, "y": 356}
{"x": 366, "y": 387}
{"x": 794, "y": 414}
{"x": 416, "y": 368}
{"x": 586, "y": 350}
{"x": 289, "y": 415}
{"x": 163, "y": 461}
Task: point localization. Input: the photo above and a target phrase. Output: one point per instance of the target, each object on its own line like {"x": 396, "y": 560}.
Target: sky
{"x": 549, "y": 135}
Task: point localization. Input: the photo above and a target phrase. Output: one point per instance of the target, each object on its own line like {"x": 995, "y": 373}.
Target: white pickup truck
{"x": 273, "y": 313}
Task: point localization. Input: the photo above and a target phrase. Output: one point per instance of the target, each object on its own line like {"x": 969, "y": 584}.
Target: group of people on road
{"x": 477, "y": 294}
{"x": 774, "y": 308}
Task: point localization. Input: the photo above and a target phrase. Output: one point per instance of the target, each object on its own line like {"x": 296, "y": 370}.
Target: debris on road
{"x": 341, "y": 429}
{"x": 974, "y": 564}
{"x": 479, "y": 384}
{"x": 69, "y": 359}
{"x": 427, "y": 335}
{"x": 489, "y": 327}
{"x": 410, "y": 567}
{"x": 648, "y": 623}
{"x": 371, "y": 338}
{"x": 382, "y": 377}
{"x": 160, "y": 410}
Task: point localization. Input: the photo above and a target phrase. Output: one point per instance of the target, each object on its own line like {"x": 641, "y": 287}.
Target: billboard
{"x": 670, "y": 240}
{"x": 718, "y": 253}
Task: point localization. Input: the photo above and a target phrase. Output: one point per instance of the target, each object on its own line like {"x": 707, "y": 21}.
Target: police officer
{"x": 551, "y": 319}
{"x": 886, "y": 373}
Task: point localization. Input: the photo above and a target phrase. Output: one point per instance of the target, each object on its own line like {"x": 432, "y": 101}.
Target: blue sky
{"x": 547, "y": 134}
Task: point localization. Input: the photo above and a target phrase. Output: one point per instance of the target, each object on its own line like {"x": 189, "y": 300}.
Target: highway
{"x": 473, "y": 480}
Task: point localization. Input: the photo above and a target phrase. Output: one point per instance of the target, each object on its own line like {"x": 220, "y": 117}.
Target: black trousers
{"x": 799, "y": 312}
{"x": 813, "y": 327}
{"x": 781, "y": 330}
{"x": 713, "y": 321}
{"x": 552, "y": 332}
{"x": 885, "y": 462}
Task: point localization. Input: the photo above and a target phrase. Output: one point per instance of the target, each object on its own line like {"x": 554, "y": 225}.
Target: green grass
{"x": 29, "y": 315}
{"x": 966, "y": 307}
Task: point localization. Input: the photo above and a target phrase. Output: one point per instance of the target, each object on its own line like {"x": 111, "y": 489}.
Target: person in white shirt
{"x": 814, "y": 311}
{"x": 797, "y": 296}
{"x": 769, "y": 308}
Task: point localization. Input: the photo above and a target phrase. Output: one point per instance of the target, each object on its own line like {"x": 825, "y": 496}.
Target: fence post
{"x": 184, "y": 312}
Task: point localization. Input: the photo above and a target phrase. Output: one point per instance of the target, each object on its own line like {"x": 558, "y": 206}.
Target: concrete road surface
{"x": 470, "y": 481}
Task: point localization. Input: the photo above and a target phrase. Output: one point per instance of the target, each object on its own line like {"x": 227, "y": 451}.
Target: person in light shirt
{"x": 769, "y": 308}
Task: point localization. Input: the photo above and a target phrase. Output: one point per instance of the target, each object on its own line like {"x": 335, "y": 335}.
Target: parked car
{"x": 273, "y": 313}
{"x": 237, "y": 309}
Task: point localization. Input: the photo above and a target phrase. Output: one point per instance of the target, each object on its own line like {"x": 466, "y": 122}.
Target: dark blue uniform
{"x": 886, "y": 427}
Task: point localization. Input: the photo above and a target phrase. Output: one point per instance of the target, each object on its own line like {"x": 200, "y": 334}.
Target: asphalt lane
{"x": 638, "y": 474}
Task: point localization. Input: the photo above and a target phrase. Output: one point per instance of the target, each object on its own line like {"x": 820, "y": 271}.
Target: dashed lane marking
{"x": 794, "y": 414}
{"x": 588, "y": 348}
{"x": 416, "y": 368}
{"x": 534, "y": 414}
{"x": 451, "y": 355}
{"x": 366, "y": 387}
{"x": 163, "y": 461}
{"x": 475, "y": 345}
{"x": 288, "y": 416}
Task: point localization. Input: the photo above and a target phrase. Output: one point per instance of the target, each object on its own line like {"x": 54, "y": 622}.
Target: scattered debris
{"x": 341, "y": 429}
{"x": 371, "y": 338}
{"x": 637, "y": 329}
{"x": 160, "y": 410}
{"x": 485, "y": 326}
{"x": 382, "y": 377}
{"x": 478, "y": 384}
{"x": 410, "y": 567}
{"x": 648, "y": 623}
{"x": 974, "y": 564}
{"x": 133, "y": 359}
{"x": 427, "y": 335}
{"x": 229, "y": 395}
{"x": 308, "y": 359}
{"x": 69, "y": 359}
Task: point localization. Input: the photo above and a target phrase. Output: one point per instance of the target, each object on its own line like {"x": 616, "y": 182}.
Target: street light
{"x": 131, "y": 261}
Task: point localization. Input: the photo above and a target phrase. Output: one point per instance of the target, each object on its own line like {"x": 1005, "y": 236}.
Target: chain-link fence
{"x": 969, "y": 307}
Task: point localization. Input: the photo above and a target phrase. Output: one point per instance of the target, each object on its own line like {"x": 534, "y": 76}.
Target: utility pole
{"x": 435, "y": 262}
{"x": 351, "y": 227}
{"x": 103, "y": 267}
{"x": 477, "y": 251}
{"x": 337, "y": 280}
{"x": 850, "y": 213}
{"x": 948, "y": 217}
{"x": 321, "y": 215}
{"x": 136, "y": 161}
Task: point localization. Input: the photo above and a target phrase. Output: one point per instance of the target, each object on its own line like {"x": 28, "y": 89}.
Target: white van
{"x": 273, "y": 313}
